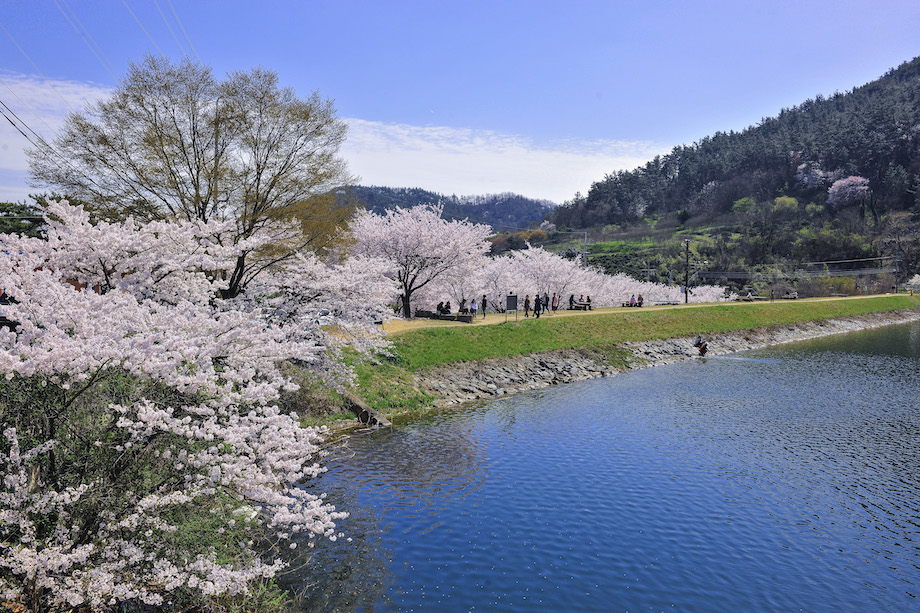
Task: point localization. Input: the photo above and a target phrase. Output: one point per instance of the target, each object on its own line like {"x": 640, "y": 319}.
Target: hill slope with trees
{"x": 833, "y": 178}
{"x": 501, "y": 211}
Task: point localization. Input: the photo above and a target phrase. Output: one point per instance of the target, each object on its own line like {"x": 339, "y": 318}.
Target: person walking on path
{"x": 527, "y": 305}
{"x": 555, "y": 302}
{"x": 537, "y": 306}
{"x": 484, "y": 306}
{"x": 572, "y": 302}
{"x": 473, "y": 307}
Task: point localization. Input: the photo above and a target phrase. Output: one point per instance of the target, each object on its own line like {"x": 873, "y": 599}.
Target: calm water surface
{"x": 778, "y": 480}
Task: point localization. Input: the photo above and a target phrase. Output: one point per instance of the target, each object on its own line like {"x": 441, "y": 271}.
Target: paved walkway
{"x": 397, "y": 326}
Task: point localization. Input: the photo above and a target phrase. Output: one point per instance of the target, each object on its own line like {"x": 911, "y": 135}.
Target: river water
{"x": 782, "y": 479}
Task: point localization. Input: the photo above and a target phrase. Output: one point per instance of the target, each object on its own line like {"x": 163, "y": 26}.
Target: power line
{"x": 125, "y": 2}
{"x": 169, "y": 27}
{"x": 88, "y": 39}
{"x": 51, "y": 85}
{"x": 881, "y": 257}
{"x": 182, "y": 27}
{"x": 801, "y": 274}
{"x": 13, "y": 123}
{"x": 42, "y": 143}
{"x": 19, "y": 119}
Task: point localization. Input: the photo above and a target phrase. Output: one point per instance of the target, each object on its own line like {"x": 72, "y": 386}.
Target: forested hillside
{"x": 832, "y": 182}
{"x": 501, "y": 211}
{"x": 872, "y": 131}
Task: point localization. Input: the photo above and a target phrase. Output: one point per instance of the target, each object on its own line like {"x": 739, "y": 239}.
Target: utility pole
{"x": 686, "y": 271}
{"x": 897, "y": 262}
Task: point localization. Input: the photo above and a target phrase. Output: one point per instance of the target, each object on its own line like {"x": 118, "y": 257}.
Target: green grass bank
{"x": 388, "y": 384}
{"x": 426, "y": 348}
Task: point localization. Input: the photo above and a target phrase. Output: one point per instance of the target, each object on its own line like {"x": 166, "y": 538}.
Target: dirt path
{"x": 397, "y": 326}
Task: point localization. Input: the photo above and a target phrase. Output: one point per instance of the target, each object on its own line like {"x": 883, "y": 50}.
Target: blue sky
{"x": 535, "y": 97}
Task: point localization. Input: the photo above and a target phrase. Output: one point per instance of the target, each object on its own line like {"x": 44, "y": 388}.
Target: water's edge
{"x": 458, "y": 384}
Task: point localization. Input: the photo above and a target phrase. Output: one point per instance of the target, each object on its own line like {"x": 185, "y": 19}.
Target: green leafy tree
{"x": 175, "y": 143}
{"x": 20, "y": 218}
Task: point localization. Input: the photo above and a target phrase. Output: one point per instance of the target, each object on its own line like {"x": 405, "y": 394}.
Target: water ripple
{"x": 785, "y": 479}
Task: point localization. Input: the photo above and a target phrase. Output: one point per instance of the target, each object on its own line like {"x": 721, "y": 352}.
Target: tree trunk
{"x": 406, "y": 309}
{"x": 236, "y": 279}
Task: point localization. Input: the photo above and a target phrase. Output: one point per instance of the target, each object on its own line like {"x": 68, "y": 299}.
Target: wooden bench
{"x": 465, "y": 317}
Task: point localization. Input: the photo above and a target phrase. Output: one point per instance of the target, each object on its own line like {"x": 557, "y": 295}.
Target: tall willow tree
{"x": 174, "y": 143}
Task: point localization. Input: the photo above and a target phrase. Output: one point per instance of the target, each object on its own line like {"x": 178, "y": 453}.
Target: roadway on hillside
{"x": 397, "y": 326}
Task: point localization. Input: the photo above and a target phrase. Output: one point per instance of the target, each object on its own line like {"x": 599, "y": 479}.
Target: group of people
{"x": 473, "y": 308}
{"x": 636, "y": 302}
{"x": 581, "y": 303}
{"x": 537, "y": 305}
{"x": 540, "y": 304}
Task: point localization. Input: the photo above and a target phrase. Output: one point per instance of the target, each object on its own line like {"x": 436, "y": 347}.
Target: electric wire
{"x": 160, "y": 51}
{"x": 41, "y": 142}
{"x": 169, "y": 27}
{"x": 13, "y": 123}
{"x": 20, "y": 120}
{"x": 182, "y": 27}
{"x": 25, "y": 104}
{"x": 26, "y": 55}
{"x": 881, "y": 257}
{"x": 87, "y": 38}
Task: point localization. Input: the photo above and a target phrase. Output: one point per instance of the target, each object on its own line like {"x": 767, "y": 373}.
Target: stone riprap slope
{"x": 470, "y": 382}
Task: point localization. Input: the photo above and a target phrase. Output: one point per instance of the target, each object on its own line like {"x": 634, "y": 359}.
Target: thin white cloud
{"x": 42, "y": 108}
{"x": 467, "y": 162}
{"x": 443, "y": 159}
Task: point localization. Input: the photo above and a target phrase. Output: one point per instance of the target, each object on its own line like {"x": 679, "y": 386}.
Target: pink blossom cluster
{"x": 421, "y": 249}
{"x": 334, "y": 304}
{"x": 94, "y": 498}
{"x": 537, "y": 270}
{"x": 848, "y": 191}
{"x": 435, "y": 260}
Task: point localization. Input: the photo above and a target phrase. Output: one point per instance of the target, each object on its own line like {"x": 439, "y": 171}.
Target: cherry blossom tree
{"x": 335, "y": 305}
{"x": 143, "y": 455}
{"x": 174, "y": 262}
{"x": 848, "y": 192}
{"x": 420, "y": 246}
{"x": 175, "y": 143}
{"x": 536, "y": 270}
{"x": 498, "y": 280}
{"x": 545, "y": 272}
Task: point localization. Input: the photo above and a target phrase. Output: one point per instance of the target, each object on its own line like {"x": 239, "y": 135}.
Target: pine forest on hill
{"x": 501, "y": 211}
{"x": 823, "y": 197}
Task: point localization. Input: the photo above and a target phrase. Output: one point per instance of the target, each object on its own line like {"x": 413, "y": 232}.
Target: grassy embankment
{"x": 388, "y": 386}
